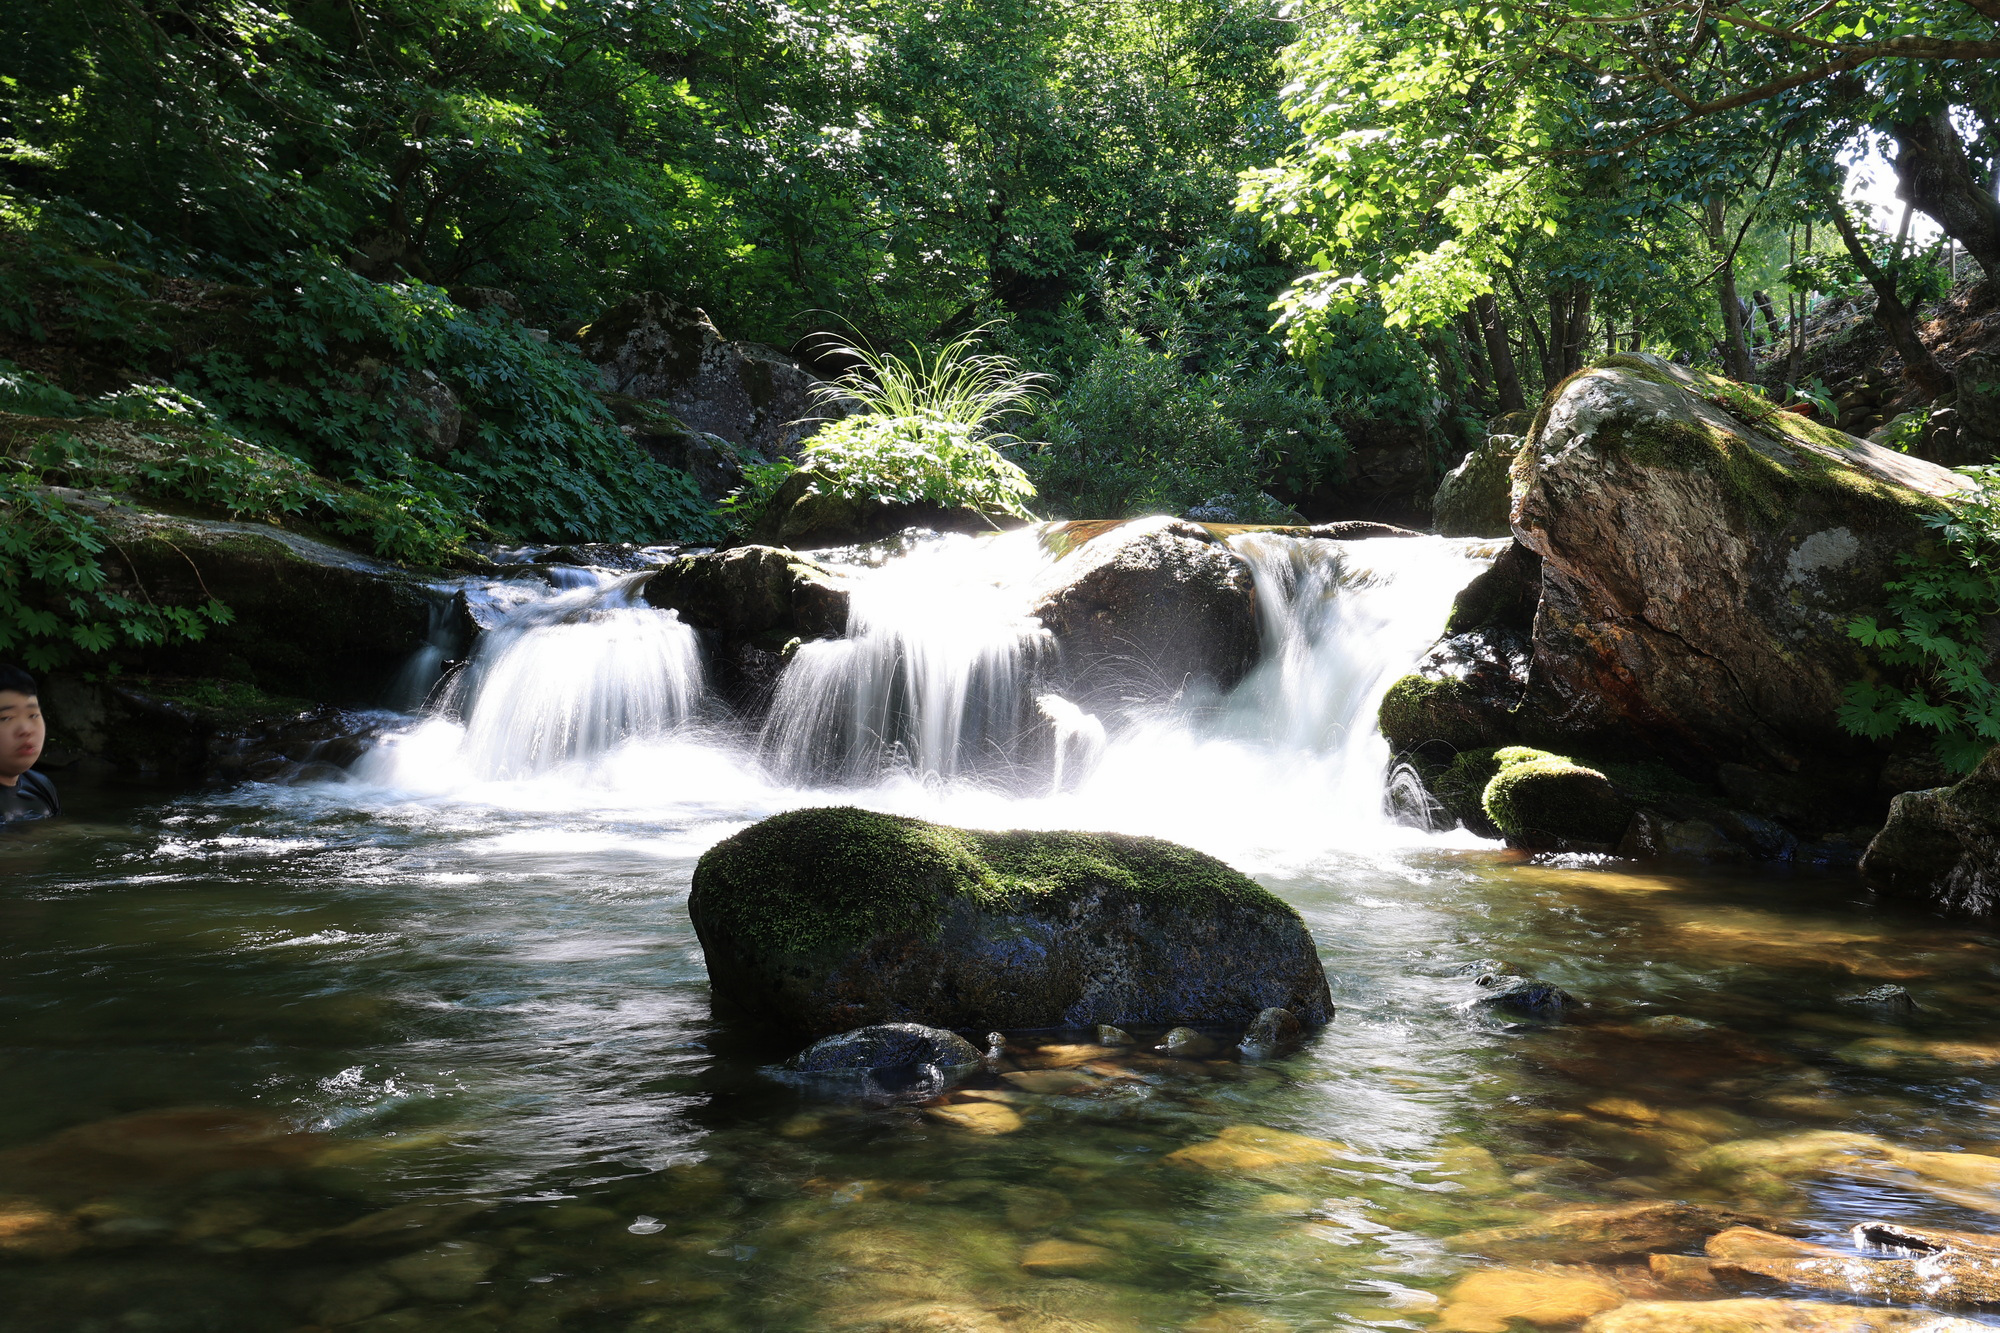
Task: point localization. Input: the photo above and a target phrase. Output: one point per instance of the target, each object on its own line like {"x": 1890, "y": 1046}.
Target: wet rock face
{"x": 1700, "y": 564}
{"x": 653, "y": 347}
{"x": 1149, "y": 609}
{"x": 1942, "y": 846}
{"x": 822, "y": 920}
{"x": 753, "y": 593}
{"x": 1475, "y": 497}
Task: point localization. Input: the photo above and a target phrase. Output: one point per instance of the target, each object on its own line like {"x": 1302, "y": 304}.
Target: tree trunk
{"x": 1475, "y": 356}
{"x": 1735, "y": 347}
{"x": 1934, "y": 175}
{"x": 1506, "y": 376}
{"x": 1762, "y": 300}
{"x": 1920, "y": 368}
{"x": 1569, "y": 326}
{"x": 1542, "y": 357}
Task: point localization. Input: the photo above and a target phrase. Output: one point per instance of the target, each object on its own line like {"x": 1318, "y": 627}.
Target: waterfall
{"x": 933, "y": 678}
{"x": 937, "y": 702}
{"x": 563, "y": 680}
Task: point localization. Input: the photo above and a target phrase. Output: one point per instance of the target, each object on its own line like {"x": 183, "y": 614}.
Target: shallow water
{"x": 479, "y": 994}
{"x": 514, "y": 1011}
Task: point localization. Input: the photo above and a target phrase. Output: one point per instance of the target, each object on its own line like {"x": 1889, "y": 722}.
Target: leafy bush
{"x": 1938, "y": 613}
{"x": 927, "y": 431}
{"x": 1177, "y": 395}
{"x": 56, "y": 597}
{"x": 338, "y": 371}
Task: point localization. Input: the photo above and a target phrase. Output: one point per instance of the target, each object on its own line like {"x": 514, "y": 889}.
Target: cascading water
{"x": 932, "y": 678}
{"x": 935, "y": 703}
{"x": 562, "y": 681}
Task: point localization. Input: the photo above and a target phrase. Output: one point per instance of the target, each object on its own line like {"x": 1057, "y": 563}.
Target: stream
{"x": 429, "y": 1047}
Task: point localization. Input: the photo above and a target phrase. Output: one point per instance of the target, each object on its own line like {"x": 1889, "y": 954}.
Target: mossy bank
{"x": 827, "y": 919}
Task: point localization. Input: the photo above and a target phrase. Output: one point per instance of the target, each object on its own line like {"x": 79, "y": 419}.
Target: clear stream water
{"x": 430, "y": 1048}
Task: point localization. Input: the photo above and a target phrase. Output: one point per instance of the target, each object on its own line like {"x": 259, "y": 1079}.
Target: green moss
{"x": 225, "y": 701}
{"x": 826, "y": 877}
{"x": 1540, "y": 799}
{"x": 1420, "y": 709}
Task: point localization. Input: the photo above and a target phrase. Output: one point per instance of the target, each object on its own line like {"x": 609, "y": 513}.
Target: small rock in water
{"x": 1527, "y": 997}
{"x": 1673, "y": 1025}
{"x": 1751, "y": 1243}
{"x": 981, "y": 1117}
{"x": 1490, "y": 1302}
{"x": 1593, "y": 1233}
{"x": 885, "y": 1046}
{"x": 1111, "y": 1036}
{"x": 446, "y": 1272}
{"x": 1908, "y": 1239}
{"x": 1890, "y": 997}
{"x": 1188, "y": 1043}
{"x": 996, "y": 1045}
{"x": 1066, "y": 1258}
{"x": 1272, "y": 1029}
{"x": 1771, "y": 1316}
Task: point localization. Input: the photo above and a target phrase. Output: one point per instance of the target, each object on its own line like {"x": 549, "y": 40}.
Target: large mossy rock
{"x": 1702, "y": 556}
{"x": 1475, "y": 498}
{"x": 1942, "y": 846}
{"x": 757, "y": 594}
{"x": 1147, "y": 609}
{"x": 822, "y": 920}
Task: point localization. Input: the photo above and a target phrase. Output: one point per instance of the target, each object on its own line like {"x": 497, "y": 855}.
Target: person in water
{"x": 24, "y": 793}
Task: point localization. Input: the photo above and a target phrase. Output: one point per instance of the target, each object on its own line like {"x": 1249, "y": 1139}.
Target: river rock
{"x": 366, "y": 616}
{"x": 885, "y": 1046}
{"x": 1251, "y": 1149}
{"x": 1489, "y": 1302}
{"x": 1272, "y": 1030}
{"x": 1148, "y": 609}
{"x": 652, "y": 347}
{"x": 447, "y": 1272}
{"x": 1526, "y": 997}
{"x": 1942, "y": 846}
{"x": 1474, "y": 498}
{"x": 823, "y": 920}
{"x": 1701, "y": 559}
{"x": 1770, "y": 1316}
{"x": 1594, "y": 1233}
{"x": 1547, "y": 802}
{"x": 754, "y": 594}
{"x": 1946, "y": 1278}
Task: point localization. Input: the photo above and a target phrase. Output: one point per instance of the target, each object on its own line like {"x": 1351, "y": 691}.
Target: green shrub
{"x": 1936, "y": 630}
{"x": 57, "y": 602}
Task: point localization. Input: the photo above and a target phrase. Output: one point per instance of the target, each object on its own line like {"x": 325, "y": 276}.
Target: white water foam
{"x": 927, "y": 707}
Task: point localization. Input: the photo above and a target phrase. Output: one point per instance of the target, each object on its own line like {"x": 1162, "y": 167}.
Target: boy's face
{"x": 21, "y": 734}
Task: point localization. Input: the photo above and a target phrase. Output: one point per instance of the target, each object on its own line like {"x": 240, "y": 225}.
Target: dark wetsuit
{"x": 31, "y": 797}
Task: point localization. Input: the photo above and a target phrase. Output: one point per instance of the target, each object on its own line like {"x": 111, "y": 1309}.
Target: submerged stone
{"x": 827, "y": 919}
{"x": 1253, "y": 1148}
{"x": 981, "y": 1117}
{"x": 1595, "y": 1233}
{"x": 1188, "y": 1044}
{"x": 1770, "y": 1316}
{"x": 1490, "y": 1302}
{"x": 1066, "y": 1258}
{"x": 885, "y": 1046}
{"x": 1108, "y": 1035}
{"x": 1526, "y": 997}
{"x": 1891, "y": 997}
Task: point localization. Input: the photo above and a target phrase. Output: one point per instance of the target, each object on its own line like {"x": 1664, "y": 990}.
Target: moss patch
{"x": 832, "y": 876}
{"x": 224, "y": 701}
{"x": 1460, "y": 786}
{"x": 1540, "y": 799}
{"x": 1420, "y": 709}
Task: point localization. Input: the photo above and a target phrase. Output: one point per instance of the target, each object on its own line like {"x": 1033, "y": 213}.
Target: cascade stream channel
{"x": 429, "y": 1046}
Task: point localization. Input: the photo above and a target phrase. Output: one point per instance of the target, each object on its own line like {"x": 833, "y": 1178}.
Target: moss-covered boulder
{"x": 1547, "y": 802}
{"x": 818, "y": 921}
{"x": 1146, "y": 609}
{"x": 753, "y": 594}
{"x": 1942, "y": 846}
{"x": 1474, "y": 497}
{"x": 1701, "y": 557}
